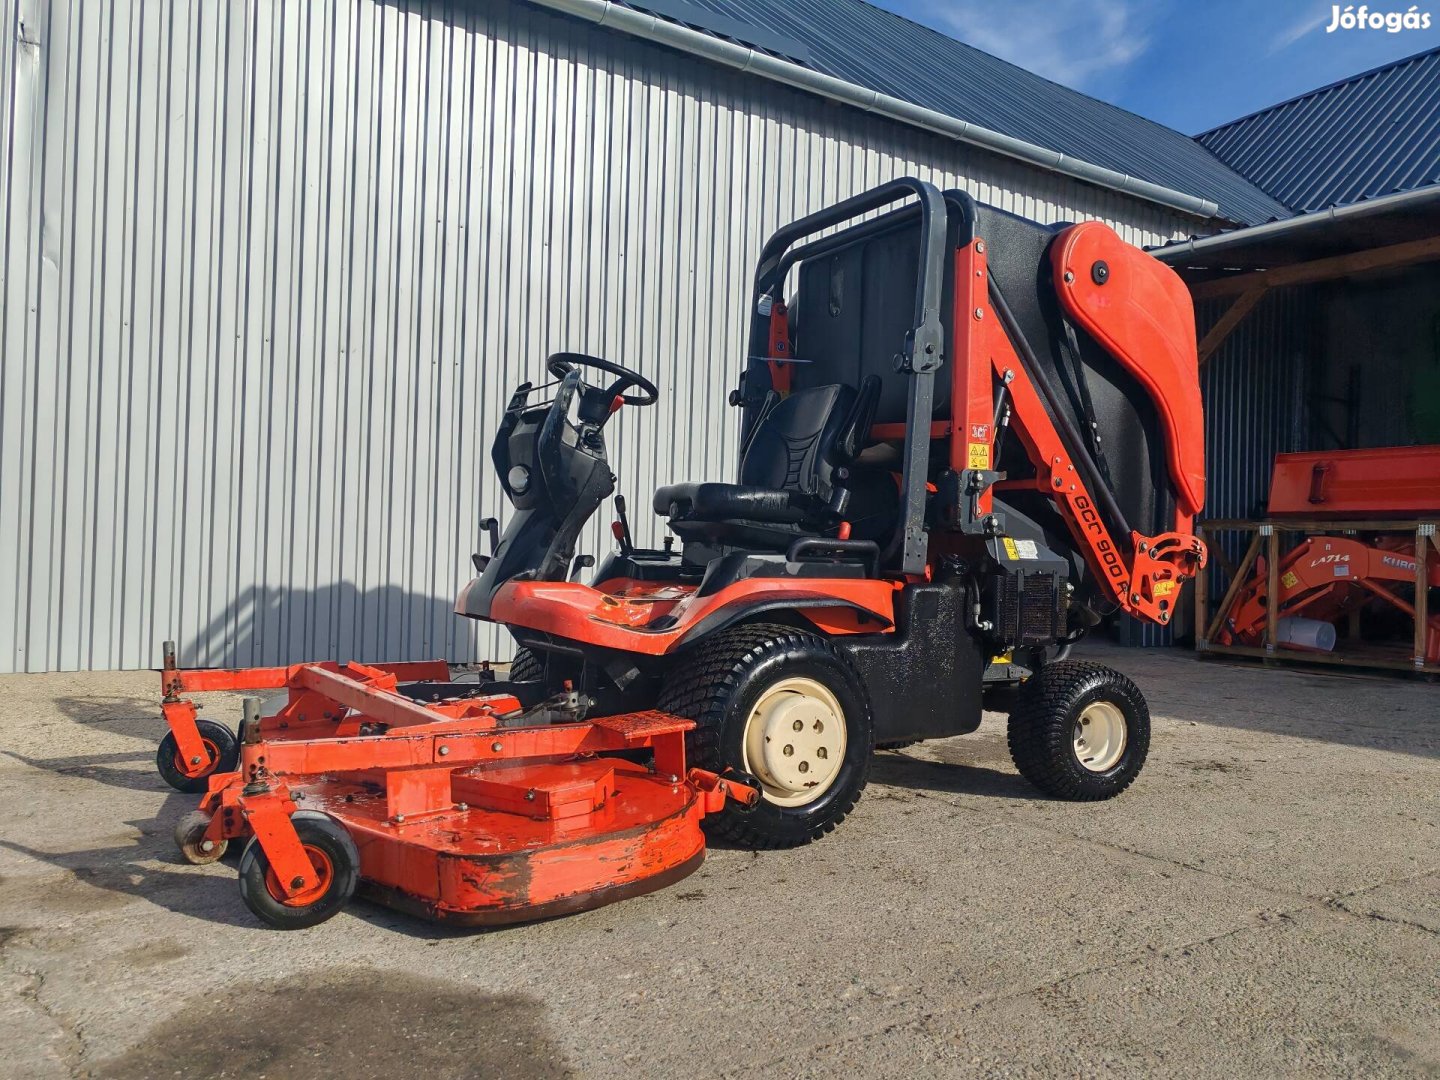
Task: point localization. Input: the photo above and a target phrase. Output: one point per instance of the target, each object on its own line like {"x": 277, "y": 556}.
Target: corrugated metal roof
{"x": 1373, "y": 134}
{"x": 881, "y": 51}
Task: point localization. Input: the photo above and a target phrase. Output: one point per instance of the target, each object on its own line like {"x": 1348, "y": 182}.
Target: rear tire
{"x": 1079, "y": 731}
{"x": 526, "y": 667}
{"x": 786, "y": 706}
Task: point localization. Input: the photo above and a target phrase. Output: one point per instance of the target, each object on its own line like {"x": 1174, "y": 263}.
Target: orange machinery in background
{"x": 1372, "y": 495}
{"x": 1392, "y": 481}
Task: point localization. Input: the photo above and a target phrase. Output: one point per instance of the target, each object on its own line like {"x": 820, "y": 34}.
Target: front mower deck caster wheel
{"x": 1079, "y": 731}
{"x": 222, "y": 750}
{"x": 190, "y": 839}
{"x": 335, "y": 859}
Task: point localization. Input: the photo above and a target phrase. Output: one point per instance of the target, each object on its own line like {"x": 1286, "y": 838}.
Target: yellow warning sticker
{"x": 1164, "y": 588}
{"x": 1010, "y": 548}
{"x": 1289, "y": 580}
{"x": 979, "y": 455}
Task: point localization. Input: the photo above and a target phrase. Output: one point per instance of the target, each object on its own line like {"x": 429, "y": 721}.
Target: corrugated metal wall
{"x": 271, "y": 269}
{"x": 1379, "y": 382}
{"x": 1255, "y": 391}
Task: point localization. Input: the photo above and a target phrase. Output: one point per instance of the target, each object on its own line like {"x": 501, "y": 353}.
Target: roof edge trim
{"x": 652, "y": 28}
{"x": 1316, "y": 219}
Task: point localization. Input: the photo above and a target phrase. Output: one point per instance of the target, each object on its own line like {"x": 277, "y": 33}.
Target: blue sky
{"x": 1190, "y": 64}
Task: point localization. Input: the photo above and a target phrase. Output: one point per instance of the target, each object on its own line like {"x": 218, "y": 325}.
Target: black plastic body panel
{"x": 926, "y": 679}
{"x": 647, "y": 566}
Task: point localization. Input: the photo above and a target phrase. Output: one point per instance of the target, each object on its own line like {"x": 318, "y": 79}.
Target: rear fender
{"x": 831, "y": 616}
{"x": 637, "y": 618}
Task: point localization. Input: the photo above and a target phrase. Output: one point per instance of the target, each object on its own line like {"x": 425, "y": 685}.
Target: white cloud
{"x": 1297, "y": 30}
{"x": 1069, "y": 41}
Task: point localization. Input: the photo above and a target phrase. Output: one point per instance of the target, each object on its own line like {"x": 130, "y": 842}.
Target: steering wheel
{"x": 561, "y": 364}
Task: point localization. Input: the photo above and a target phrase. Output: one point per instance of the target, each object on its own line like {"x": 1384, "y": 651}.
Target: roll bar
{"x": 921, "y": 353}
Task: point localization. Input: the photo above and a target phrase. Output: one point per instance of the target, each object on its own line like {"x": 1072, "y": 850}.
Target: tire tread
{"x": 1039, "y": 729}
{"x": 701, "y": 689}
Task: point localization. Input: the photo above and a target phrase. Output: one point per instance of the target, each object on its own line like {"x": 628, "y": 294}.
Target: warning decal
{"x": 979, "y": 455}
{"x": 1289, "y": 580}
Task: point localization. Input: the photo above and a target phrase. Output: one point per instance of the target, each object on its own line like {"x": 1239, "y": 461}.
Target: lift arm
{"x": 1140, "y": 573}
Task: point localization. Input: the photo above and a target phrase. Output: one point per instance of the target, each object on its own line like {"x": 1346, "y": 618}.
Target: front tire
{"x": 784, "y": 705}
{"x": 1079, "y": 731}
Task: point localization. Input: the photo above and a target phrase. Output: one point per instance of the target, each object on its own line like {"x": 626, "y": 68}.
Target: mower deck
{"x": 467, "y": 808}
{"x": 611, "y": 830}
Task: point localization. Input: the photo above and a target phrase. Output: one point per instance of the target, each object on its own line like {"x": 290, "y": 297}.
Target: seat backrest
{"x": 855, "y": 302}
{"x": 806, "y": 436}
{"x": 852, "y": 311}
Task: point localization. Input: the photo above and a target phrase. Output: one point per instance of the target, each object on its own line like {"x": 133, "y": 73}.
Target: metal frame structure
{"x": 998, "y": 383}
{"x": 1267, "y": 537}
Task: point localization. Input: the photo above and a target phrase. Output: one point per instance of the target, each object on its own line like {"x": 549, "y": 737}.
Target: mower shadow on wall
{"x": 342, "y": 620}
{"x": 278, "y": 624}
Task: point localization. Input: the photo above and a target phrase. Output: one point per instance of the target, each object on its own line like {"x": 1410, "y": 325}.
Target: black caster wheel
{"x": 335, "y": 859}
{"x": 221, "y": 748}
{"x": 190, "y": 839}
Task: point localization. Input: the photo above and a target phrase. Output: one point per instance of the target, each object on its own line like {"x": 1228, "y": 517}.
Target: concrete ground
{"x": 1265, "y": 900}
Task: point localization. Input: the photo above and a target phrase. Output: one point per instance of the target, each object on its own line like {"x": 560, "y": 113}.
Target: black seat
{"x": 792, "y": 475}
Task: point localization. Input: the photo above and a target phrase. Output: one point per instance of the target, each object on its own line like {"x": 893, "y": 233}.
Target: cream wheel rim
{"x": 1100, "y": 736}
{"x": 794, "y": 741}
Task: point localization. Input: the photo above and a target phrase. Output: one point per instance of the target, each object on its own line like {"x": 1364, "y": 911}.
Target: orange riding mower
{"x": 1034, "y": 388}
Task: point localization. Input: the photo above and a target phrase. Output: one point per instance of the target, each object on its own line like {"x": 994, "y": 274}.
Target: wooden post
{"x": 1236, "y": 583}
{"x": 1422, "y": 592}
{"x": 1272, "y": 587}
